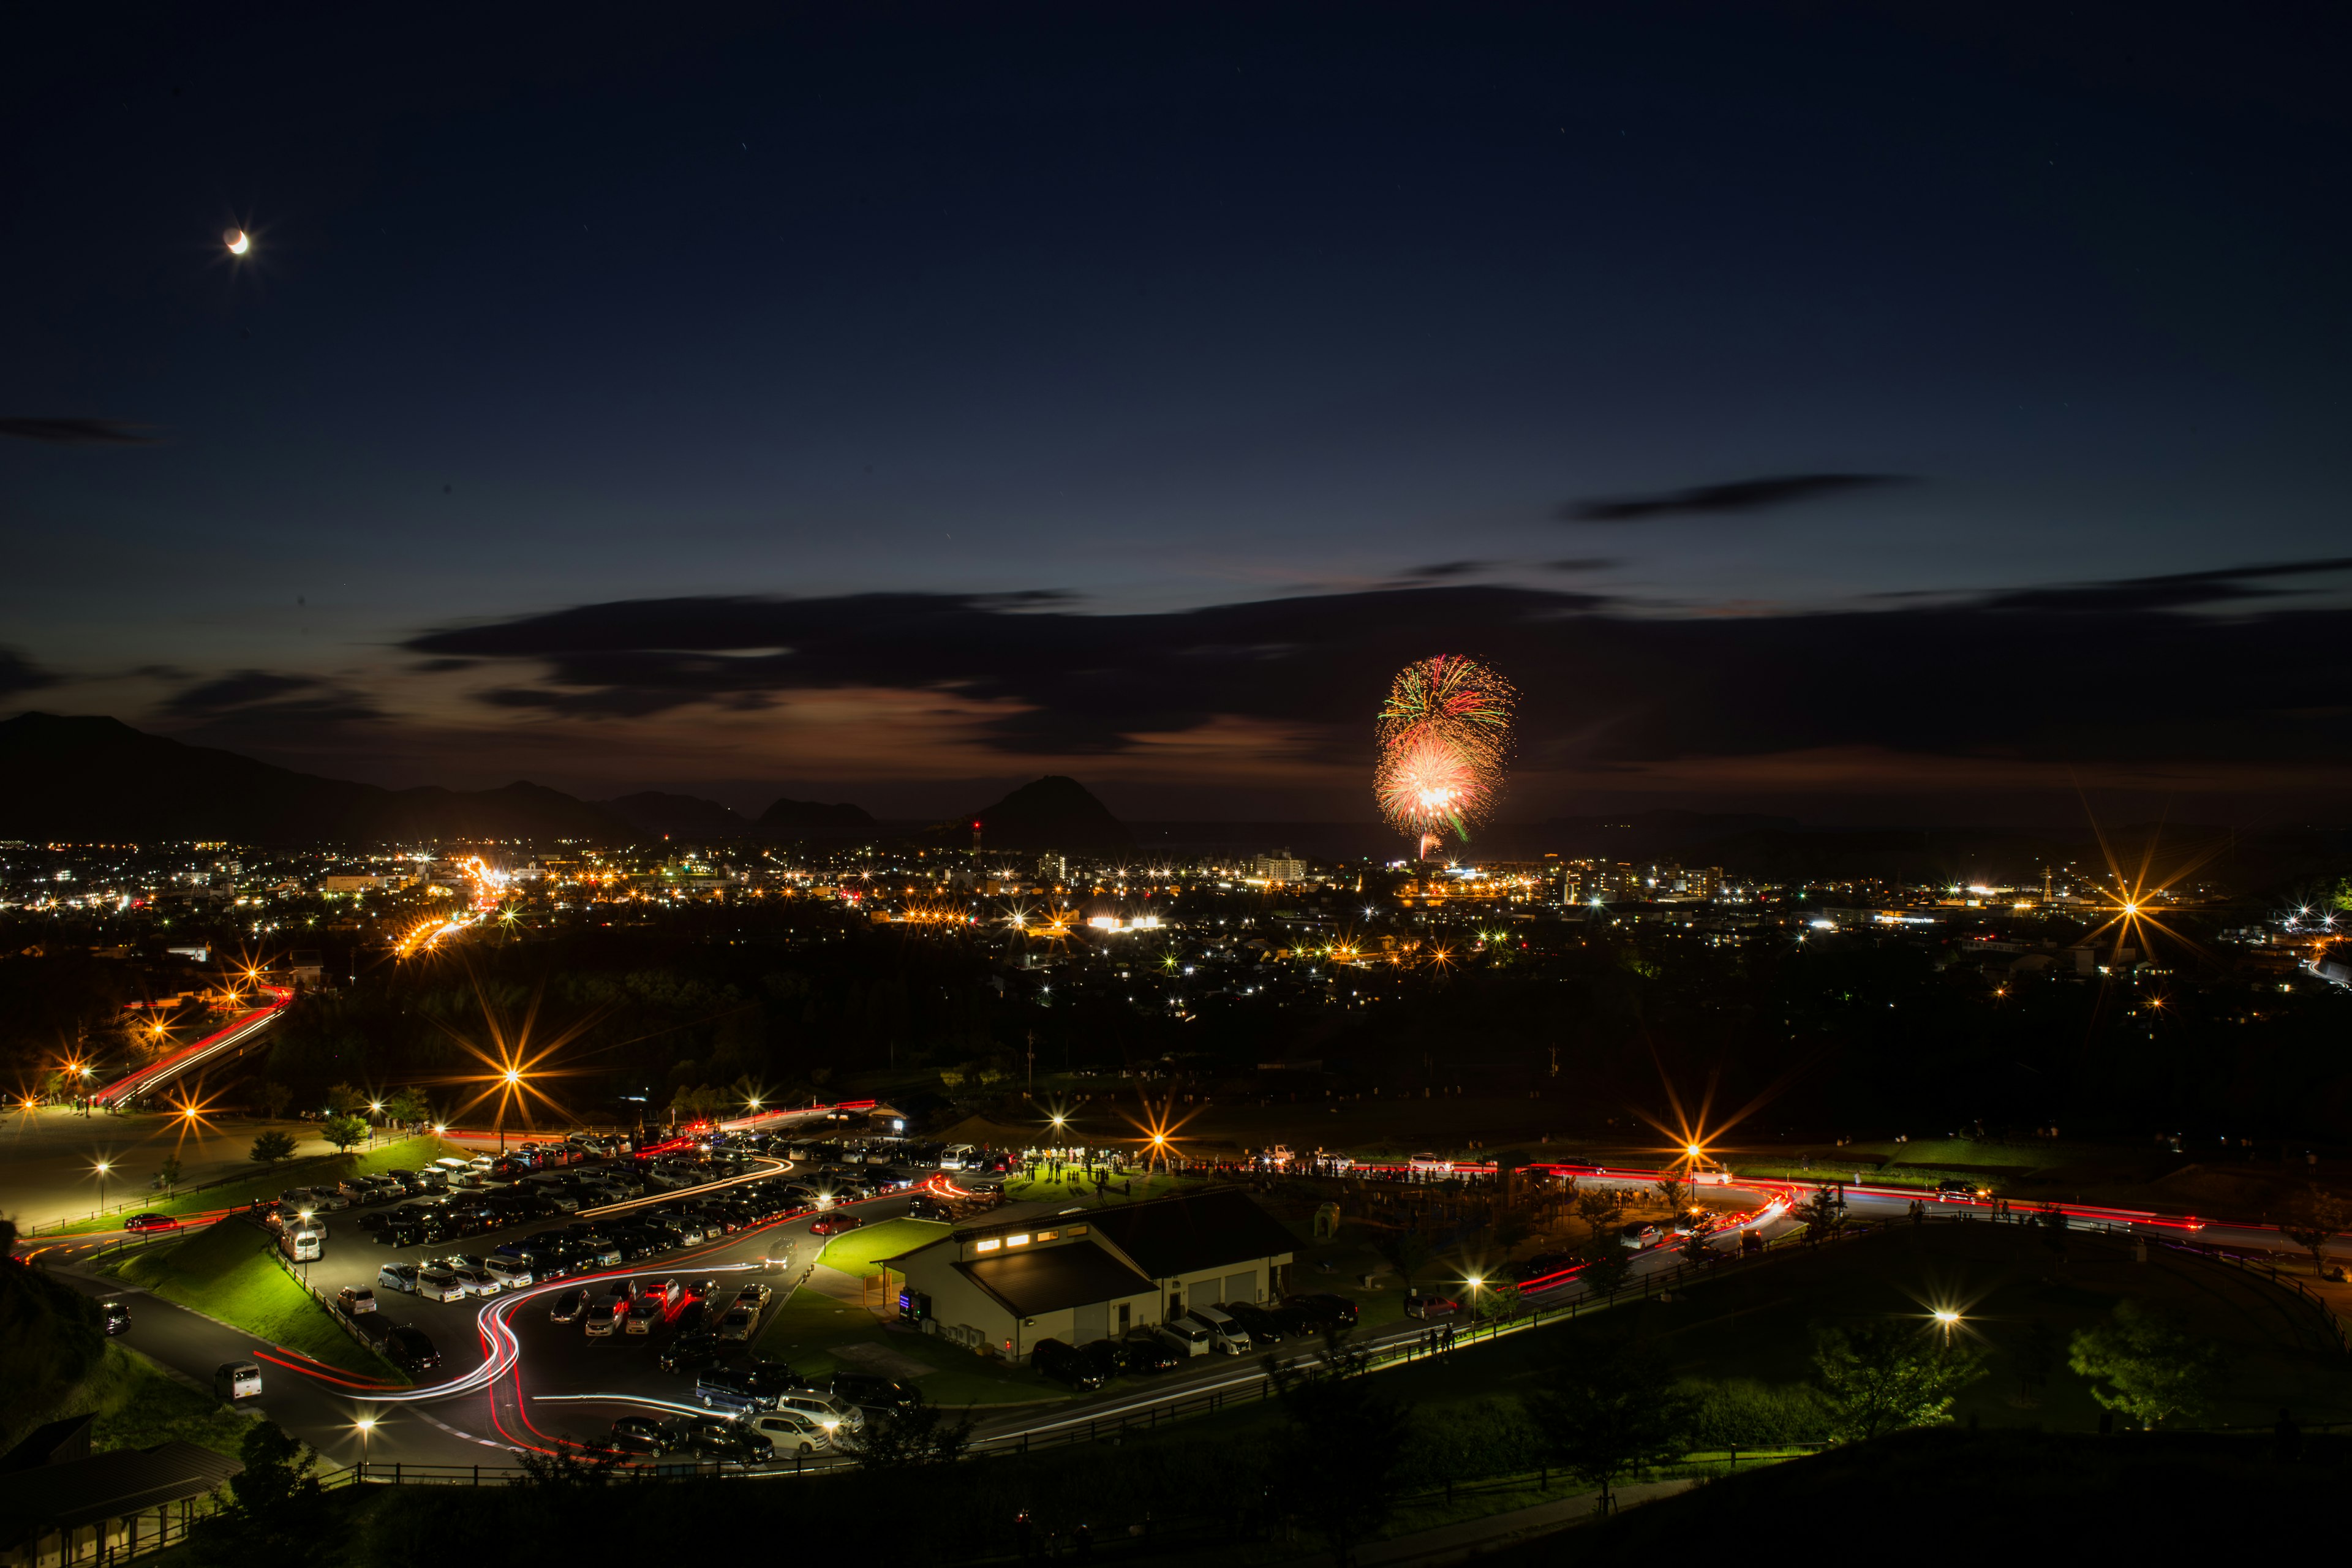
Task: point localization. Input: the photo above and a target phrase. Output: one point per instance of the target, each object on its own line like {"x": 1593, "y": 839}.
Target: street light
{"x": 366, "y": 1424}
{"x": 102, "y": 1168}
{"x": 1949, "y": 1320}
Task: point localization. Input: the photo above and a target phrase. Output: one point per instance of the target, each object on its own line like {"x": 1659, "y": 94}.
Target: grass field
{"x": 406, "y": 1155}
{"x": 861, "y": 1251}
{"x": 808, "y": 1332}
{"x": 139, "y": 1407}
{"x": 225, "y": 1271}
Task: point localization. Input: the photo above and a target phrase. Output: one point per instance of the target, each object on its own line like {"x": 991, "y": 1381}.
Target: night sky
{"x": 1865, "y": 418}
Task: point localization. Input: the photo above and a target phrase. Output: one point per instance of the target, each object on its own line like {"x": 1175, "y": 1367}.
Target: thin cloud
{"x": 18, "y": 673}
{"x": 74, "y": 431}
{"x": 1736, "y": 496}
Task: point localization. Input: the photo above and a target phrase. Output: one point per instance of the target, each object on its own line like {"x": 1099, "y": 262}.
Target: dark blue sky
{"x": 1193, "y": 318}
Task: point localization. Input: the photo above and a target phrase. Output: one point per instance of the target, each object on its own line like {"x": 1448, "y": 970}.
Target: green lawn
{"x": 860, "y": 1252}
{"x": 225, "y": 1271}
{"x": 806, "y": 1332}
{"x": 409, "y": 1155}
{"x": 139, "y": 1407}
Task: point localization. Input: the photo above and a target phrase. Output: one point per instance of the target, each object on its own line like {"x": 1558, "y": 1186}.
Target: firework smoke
{"x": 1445, "y": 738}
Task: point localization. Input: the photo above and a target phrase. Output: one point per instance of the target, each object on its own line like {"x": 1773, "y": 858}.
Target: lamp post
{"x": 102, "y": 1168}
{"x": 366, "y": 1424}
{"x": 513, "y": 1077}
{"x": 1949, "y": 1321}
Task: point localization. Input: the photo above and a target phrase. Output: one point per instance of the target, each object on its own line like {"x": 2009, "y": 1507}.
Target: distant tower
{"x": 975, "y": 840}
{"x": 2045, "y": 884}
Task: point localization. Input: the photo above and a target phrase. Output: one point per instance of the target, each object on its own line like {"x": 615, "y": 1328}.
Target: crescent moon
{"x": 238, "y": 241}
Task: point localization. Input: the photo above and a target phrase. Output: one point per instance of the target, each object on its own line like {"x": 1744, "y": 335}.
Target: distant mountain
{"x": 1053, "y": 812}
{"x": 807, "y": 819}
{"x": 99, "y": 780}
{"x": 677, "y": 815}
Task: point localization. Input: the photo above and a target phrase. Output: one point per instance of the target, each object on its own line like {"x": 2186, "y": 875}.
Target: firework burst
{"x": 1445, "y": 738}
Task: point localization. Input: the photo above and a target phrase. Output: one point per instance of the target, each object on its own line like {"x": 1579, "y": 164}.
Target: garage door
{"x": 1241, "y": 1286}
{"x": 1090, "y": 1323}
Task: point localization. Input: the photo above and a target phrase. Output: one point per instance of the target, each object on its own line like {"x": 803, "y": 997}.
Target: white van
{"x": 1225, "y": 1334}
{"x": 1184, "y": 1336}
{"x": 792, "y": 1432}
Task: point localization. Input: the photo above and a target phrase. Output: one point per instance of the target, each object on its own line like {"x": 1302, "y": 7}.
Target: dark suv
{"x": 1066, "y": 1365}
{"x": 410, "y": 1351}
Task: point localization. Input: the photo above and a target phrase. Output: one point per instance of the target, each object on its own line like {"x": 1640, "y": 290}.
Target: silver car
{"x": 476, "y": 1281}
{"x": 439, "y": 1285}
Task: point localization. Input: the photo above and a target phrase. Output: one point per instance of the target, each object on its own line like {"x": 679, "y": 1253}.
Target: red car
{"x": 834, "y": 1224}
{"x": 138, "y": 1222}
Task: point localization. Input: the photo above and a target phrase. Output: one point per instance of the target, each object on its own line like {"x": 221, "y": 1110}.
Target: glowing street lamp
{"x": 366, "y": 1427}
{"x": 1949, "y": 1320}
{"x": 102, "y": 1168}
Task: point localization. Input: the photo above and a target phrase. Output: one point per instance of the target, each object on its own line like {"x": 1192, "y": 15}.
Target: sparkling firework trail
{"x": 1444, "y": 737}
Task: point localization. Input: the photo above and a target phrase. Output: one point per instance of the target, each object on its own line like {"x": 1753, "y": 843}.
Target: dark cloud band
{"x": 2007, "y": 673}
{"x": 1738, "y": 496}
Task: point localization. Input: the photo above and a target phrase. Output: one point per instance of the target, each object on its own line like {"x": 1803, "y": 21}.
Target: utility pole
{"x": 1032, "y": 1091}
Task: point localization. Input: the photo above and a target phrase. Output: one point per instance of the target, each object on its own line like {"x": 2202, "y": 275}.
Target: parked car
{"x": 605, "y": 1316}
{"x": 114, "y": 1316}
{"x": 1264, "y": 1330}
{"x": 789, "y": 1432}
{"x": 1064, "y": 1364}
{"x": 568, "y": 1308}
{"x": 1148, "y": 1353}
{"x": 410, "y": 1351}
{"x": 834, "y": 1224}
{"x": 355, "y": 1299}
{"x": 834, "y": 1415}
{"x": 397, "y": 1277}
{"x": 643, "y": 1313}
{"x": 688, "y": 1352}
{"x": 476, "y": 1282}
{"x": 1108, "y": 1358}
{"x": 440, "y": 1285}
{"x": 507, "y": 1271}
{"x": 1324, "y": 1307}
{"x": 1184, "y": 1336}
{"x": 1638, "y": 1233}
{"x": 870, "y": 1393}
{"x": 1226, "y": 1335}
{"x": 640, "y": 1435}
{"x": 735, "y": 1325}
{"x": 139, "y": 1223}
{"x": 1430, "y": 1306}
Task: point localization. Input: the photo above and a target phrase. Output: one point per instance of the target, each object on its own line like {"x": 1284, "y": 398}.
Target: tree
{"x": 1601, "y": 1209}
{"x": 408, "y": 1105}
{"x": 1604, "y": 1417}
{"x": 1821, "y": 1216}
{"x": 2151, "y": 1367}
{"x": 272, "y": 1147}
{"x": 1673, "y": 1191}
{"x": 344, "y": 1131}
{"x": 1406, "y": 1251}
{"x": 273, "y": 1516}
{"x": 1343, "y": 1447}
{"x": 1497, "y": 1298}
{"x": 344, "y": 1099}
{"x": 274, "y": 1099}
{"x": 1885, "y": 1375}
{"x": 2318, "y": 1220}
{"x": 912, "y": 1439}
{"x": 169, "y": 1173}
